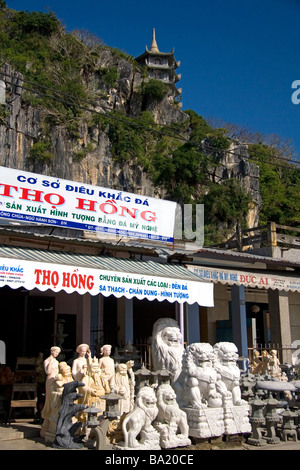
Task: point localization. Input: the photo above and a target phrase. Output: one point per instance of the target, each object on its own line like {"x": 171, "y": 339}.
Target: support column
{"x": 239, "y": 321}
{"x": 125, "y": 321}
{"x": 179, "y": 315}
{"x": 204, "y": 335}
{"x": 280, "y": 325}
{"x": 193, "y": 330}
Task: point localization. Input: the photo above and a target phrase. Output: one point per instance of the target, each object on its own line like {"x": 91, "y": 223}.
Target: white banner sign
{"x": 230, "y": 276}
{"x": 29, "y": 197}
{"x": 31, "y": 275}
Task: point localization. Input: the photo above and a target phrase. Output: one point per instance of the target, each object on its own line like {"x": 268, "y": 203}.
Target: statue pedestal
{"x": 149, "y": 440}
{"x": 213, "y": 422}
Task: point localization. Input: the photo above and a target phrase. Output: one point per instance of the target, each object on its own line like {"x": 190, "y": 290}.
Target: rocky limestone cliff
{"x": 24, "y": 125}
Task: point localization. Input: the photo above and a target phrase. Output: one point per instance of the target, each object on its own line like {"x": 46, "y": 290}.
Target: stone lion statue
{"x": 226, "y": 356}
{"x": 140, "y": 418}
{"x": 167, "y": 347}
{"x": 201, "y": 384}
{"x": 171, "y": 421}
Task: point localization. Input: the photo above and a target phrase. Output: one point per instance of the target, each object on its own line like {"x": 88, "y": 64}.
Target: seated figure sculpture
{"x": 226, "y": 366}
{"x": 199, "y": 384}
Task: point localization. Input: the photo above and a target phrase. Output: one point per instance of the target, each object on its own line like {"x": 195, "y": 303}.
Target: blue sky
{"x": 238, "y": 59}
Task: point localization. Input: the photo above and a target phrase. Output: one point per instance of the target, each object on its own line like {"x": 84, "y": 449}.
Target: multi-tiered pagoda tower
{"x": 160, "y": 65}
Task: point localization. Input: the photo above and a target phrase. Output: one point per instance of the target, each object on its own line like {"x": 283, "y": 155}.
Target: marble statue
{"x": 83, "y": 360}
{"x": 100, "y": 385}
{"x": 208, "y": 391}
{"x": 274, "y": 365}
{"x": 107, "y": 364}
{"x": 167, "y": 347}
{"x": 57, "y": 387}
{"x": 256, "y": 365}
{"x": 138, "y": 423}
{"x": 51, "y": 370}
{"x": 171, "y": 421}
{"x": 226, "y": 365}
{"x": 123, "y": 384}
{"x": 296, "y": 353}
{"x": 93, "y": 388}
{"x": 264, "y": 362}
{"x": 199, "y": 384}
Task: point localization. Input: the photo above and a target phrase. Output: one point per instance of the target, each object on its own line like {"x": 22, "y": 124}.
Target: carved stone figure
{"x": 57, "y": 388}
{"x": 274, "y": 365}
{"x": 94, "y": 387}
{"x": 256, "y": 366}
{"x": 100, "y": 386}
{"x": 123, "y": 385}
{"x": 199, "y": 384}
{"x": 226, "y": 365}
{"x": 51, "y": 370}
{"x": 171, "y": 421}
{"x": 167, "y": 348}
{"x": 83, "y": 360}
{"x": 139, "y": 422}
{"x": 107, "y": 364}
{"x": 66, "y": 428}
{"x": 264, "y": 362}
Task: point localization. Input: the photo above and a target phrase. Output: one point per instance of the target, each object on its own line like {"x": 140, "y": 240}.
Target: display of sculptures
{"x": 196, "y": 392}
{"x": 206, "y": 381}
{"x": 267, "y": 364}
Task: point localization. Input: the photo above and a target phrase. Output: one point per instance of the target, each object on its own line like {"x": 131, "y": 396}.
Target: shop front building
{"x": 256, "y": 301}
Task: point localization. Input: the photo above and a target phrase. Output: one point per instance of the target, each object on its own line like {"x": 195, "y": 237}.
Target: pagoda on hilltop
{"x": 160, "y": 65}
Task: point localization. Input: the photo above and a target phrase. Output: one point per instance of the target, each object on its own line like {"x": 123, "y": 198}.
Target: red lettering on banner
{"x": 7, "y": 188}
{"x": 83, "y": 202}
{"x": 125, "y": 209}
{"x": 46, "y": 277}
{"x": 66, "y": 280}
{"x": 48, "y": 197}
{"x": 108, "y": 204}
{"x": 247, "y": 279}
{"x": 33, "y": 195}
{"x": 82, "y": 281}
{"x": 151, "y": 218}
{"x": 27, "y": 193}
{"x": 37, "y": 272}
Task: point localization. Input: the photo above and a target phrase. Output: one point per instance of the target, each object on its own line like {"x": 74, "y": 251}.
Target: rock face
{"x": 24, "y": 125}
{"x": 234, "y": 163}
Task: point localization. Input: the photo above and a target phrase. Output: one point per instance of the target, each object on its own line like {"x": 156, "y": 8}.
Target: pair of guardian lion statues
{"x": 201, "y": 376}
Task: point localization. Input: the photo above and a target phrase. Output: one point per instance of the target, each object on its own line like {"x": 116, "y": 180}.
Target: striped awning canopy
{"x": 73, "y": 272}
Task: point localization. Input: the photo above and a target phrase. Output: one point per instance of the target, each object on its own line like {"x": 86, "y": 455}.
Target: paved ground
{"x": 25, "y": 436}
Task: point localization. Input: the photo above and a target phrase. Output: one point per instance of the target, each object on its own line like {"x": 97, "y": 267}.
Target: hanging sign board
{"x": 33, "y": 198}
{"x": 43, "y": 276}
{"x": 247, "y": 279}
